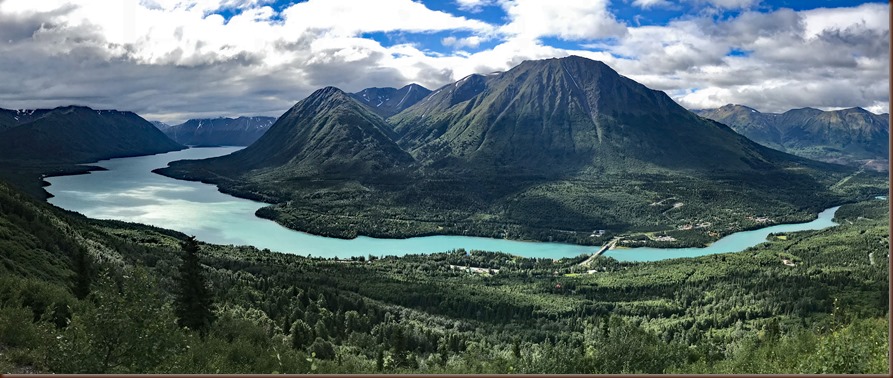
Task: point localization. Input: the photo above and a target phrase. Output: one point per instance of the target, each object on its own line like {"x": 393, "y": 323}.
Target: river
{"x": 129, "y": 191}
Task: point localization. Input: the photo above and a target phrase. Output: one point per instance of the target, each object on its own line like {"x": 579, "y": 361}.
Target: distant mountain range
{"x": 241, "y": 131}
{"x": 389, "y": 101}
{"x": 852, "y": 136}
{"x": 41, "y": 142}
{"x": 549, "y": 150}
{"x": 77, "y": 134}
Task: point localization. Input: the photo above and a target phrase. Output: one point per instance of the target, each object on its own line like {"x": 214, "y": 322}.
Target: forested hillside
{"x": 87, "y": 296}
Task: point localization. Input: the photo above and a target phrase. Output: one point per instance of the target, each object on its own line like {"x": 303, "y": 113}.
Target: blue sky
{"x": 177, "y": 59}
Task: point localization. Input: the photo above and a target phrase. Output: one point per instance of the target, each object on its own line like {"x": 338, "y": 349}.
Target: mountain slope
{"x": 389, "y": 101}
{"x": 849, "y": 136}
{"x": 77, "y": 134}
{"x": 328, "y": 133}
{"x": 240, "y": 131}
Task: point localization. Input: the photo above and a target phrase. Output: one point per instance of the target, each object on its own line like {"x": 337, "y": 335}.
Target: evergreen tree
{"x": 194, "y": 303}
{"x": 83, "y": 268}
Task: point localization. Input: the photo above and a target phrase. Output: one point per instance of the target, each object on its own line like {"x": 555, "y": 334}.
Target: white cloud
{"x": 350, "y": 17}
{"x": 648, "y": 4}
{"x": 171, "y": 60}
{"x": 871, "y": 16}
{"x": 821, "y": 58}
{"x": 458, "y": 43}
{"x": 473, "y": 5}
{"x": 565, "y": 19}
{"x": 730, "y": 4}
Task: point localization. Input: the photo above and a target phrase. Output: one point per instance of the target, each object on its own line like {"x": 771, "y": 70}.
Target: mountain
{"x": 240, "y": 131}
{"x": 389, "y": 101}
{"x": 549, "y": 150}
{"x": 328, "y": 133}
{"x": 76, "y": 134}
{"x": 849, "y": 136}
{"x": 160, "y": 125}
{"x": 560, "y": 115}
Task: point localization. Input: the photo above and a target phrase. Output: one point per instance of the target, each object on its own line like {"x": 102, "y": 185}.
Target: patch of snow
{"x": 462, "y": 80}
{"x": 570, "y": 76}
{"x": 404, "y": 96}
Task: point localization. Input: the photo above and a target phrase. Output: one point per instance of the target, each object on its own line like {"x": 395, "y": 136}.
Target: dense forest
{"x": 86, "y": 296}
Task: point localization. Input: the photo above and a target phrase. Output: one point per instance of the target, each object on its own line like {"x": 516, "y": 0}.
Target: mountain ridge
{"x": 387, "y": 101}
{"x": 240, "y": 131}
{"x": 314, "y": 136}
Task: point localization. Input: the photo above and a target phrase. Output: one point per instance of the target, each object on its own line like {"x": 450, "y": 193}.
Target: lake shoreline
{"x": 269, "y": 207}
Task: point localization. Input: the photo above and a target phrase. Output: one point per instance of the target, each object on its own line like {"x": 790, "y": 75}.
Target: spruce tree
{"x": 83, "y": 268}
{"x": 194, "y": 302}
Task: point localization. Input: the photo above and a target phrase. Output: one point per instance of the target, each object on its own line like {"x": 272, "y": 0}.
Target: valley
{"x": 445, "y": 187}
{"x": 127, "y": 190}
{"x": 465, "y": 160}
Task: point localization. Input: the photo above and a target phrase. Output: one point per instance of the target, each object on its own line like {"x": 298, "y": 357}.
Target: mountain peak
{"x": 328, "y": 91}
{"x": 388, "y": 101}
{"x": 804, "y": 110}
{"x": 570, "y": 63}
{"x": 328, "y": 133}
{"x": 220, "y": 131}
{"x": 414, "y": 86}
{"x": 856, "y": 109}
{"x": 559, "y": 112}
{"x": 729, "y": 107}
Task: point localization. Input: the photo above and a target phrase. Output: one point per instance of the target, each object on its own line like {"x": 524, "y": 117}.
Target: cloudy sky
{"x": 171, "y": 60}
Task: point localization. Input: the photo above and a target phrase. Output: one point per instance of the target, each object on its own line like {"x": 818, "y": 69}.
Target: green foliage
{"x": 123, "y": 326}
{"x": 194, "y": 302}
{"x": 618, "y": 347}
{"x": 858, "y": 348}
{"x": 731, "y": 313}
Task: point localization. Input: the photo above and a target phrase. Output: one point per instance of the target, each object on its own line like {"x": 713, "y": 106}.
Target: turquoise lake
{"x": 129, "y": 191}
